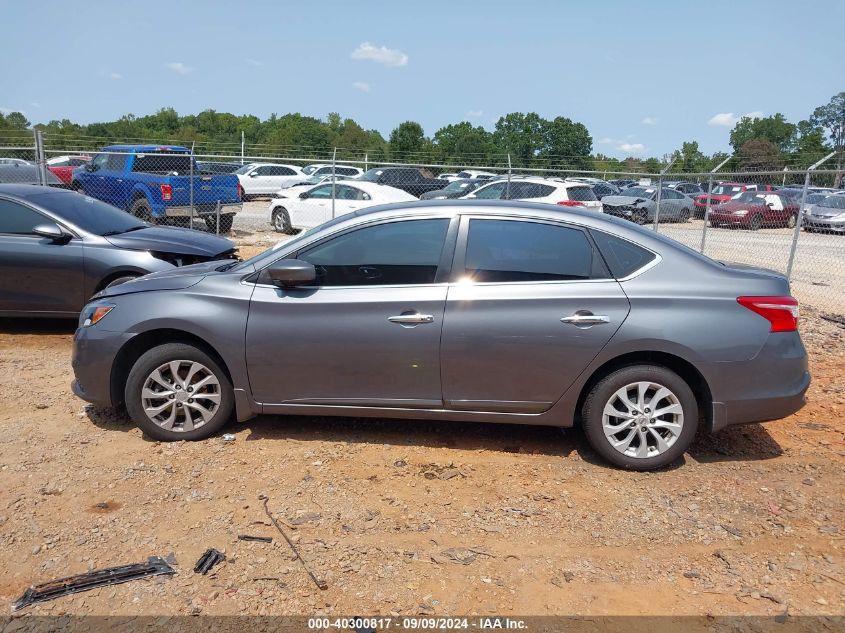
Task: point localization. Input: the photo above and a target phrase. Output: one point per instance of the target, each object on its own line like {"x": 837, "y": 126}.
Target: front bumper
{"x": 94, "y": 352}
{"x": 817, "y": 223}
{"x": 728, "y": 218}
{"x": 202, "y": 210}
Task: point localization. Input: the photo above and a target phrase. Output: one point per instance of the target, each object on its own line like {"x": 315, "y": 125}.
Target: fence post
{"x": 191, "y": 187}
{"x": 334, "y": 179}
{"x": 242, "y": 147}
{"x": 660, "y": 192}
{"x": 366, "y": 155}
{"x": 508, "y": 188}
{"x": 800, "y": 219}
{"x": 40, "y": 159}
{"x": 217, "y": 213}
{"x": 709, "y": 200}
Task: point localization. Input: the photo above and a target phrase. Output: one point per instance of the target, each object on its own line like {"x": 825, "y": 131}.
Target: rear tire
{"x": 791, "y": 221}
{"x": 619, "y": 438}
{"x": 141, "y": 209}
{"x": 225, "y": 223}
{"x": 685, "y": 215}
{"x": 152, "y": 379}
{"x": 281, "y": 221}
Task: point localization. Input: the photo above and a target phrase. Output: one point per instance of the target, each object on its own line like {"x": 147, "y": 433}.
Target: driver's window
{"x": 16, "y": 219}
{"x": 491, "y": 192}
{"x": 99, "y": 161}
{"x": 324, "y": 191}
{"x": 394, "y": 253}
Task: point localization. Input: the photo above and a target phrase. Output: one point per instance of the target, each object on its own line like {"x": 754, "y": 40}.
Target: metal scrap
{"x": 321, "y": 584}
{"x": 208, "y": 560}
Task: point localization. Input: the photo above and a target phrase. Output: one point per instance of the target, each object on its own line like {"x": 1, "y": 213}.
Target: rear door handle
{"x": 411, "y": 319}
{"x": 586, "y": 319}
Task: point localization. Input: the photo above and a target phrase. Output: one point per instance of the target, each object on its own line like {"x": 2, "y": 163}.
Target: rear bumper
{"x": 202, "y": 210}
{"x": 770, "y": 386}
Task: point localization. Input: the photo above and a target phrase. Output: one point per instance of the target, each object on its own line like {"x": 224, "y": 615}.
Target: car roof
{"x": 272, "y": 165}
{"x": 144, "y": 148}
{"x": 27, "y": 191}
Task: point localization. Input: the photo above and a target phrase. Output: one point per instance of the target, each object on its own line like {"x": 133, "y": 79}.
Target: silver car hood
{"x": 175, "y": 279}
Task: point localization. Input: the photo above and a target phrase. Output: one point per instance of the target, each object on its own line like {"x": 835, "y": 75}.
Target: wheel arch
{"x": 143, "y": 342}
{"x": 686, "y": 370}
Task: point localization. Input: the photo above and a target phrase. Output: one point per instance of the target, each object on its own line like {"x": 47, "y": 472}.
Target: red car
{"x": 63, "y": 166}
{"x": 756, "y": 209}
{"x": 723, "y": 192}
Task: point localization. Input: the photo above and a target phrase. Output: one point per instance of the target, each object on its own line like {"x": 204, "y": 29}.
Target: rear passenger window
{"x": 623, "y": 257}
{"x": 528, "y": 190}
{"x": 512, "y": 250}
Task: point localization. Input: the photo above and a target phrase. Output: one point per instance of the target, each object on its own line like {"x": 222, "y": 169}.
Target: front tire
{"x": 685, "y": 215}
{"x": 178, "y": 392}
{"x": 756, "y": 223}
{"x": 640, "y": 417}
{"x": 791, "y": 221}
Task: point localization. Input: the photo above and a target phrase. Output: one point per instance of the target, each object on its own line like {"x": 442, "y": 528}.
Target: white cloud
{"x": 35, "y": 104}
{"x": 606, "y": 141}
{"x": 649, "y": 120}
{"x": 729, "y": 119}
{"x": 475, "y": 113}
{"x": 115, "y": 76}
{"x": 254, "y": 62}
{"x": 380, "y": 55}
{"x": 631, "y": 148}
{"x": 179, "y": 68}
{"x": 363, "y": 86}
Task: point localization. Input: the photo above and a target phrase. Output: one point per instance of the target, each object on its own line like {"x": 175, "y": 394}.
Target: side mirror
{"x": 292, "y": 272}
{"x": 50, "y": 231}
{"x": 90, "y": 167}
{"x": 253, "y": 174}
{"x": 303, "y": 195}
{"x": 367, "y": 196}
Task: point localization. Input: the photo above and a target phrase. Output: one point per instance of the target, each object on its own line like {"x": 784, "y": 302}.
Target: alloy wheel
{"x": 643, "y": 419}
{"x": 181, "y": 395}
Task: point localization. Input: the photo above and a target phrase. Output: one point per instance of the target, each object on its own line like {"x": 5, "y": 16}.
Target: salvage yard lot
{"x": 417, "y": 517}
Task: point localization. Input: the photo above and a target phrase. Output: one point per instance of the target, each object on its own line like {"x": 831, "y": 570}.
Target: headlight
{"x": 741, "y": 212}
{"x": 93, "y": 313}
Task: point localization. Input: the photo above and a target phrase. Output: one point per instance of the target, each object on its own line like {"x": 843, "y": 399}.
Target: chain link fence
{"x": 789, "y": 220}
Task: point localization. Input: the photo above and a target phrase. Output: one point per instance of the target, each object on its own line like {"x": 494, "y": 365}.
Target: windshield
{"x": 749, "y": 196}
{"x": 244, "y": 169}
{"x": 371, "y": 175}
{"x": 459, "y": 185}
{"x": 815, "y": 198}
{"x": 834, "y": 202}
{"x": 310, "y": 169}
{"x": 726, "y": 190}
{"x": 89, "y": 214}
{"x": 638, "y": 192}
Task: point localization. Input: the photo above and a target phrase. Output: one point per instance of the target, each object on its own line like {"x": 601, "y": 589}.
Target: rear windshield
{"x": 161, "y": 163}
{"x": 750, "y": 196}
{"x": 638, "y": 192}
{"x": 581, "y": 194}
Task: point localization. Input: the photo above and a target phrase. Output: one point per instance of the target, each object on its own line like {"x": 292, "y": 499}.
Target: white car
{"x": 305, "y": 207}
{"x": 533, "y": 189}
{"x": 258, "y": 179}
{"x": 472, "y": 173}
{"x": 325, "y": 169}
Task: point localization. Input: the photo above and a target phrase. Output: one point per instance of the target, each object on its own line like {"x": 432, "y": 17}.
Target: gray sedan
{"x": 58, "y": 247}
{"x": 826, "y": 215}
{"x": 639, "y": 204}
{"x": 477, "y": 310}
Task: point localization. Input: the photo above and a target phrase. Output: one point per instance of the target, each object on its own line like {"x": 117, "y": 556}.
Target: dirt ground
{"x": 403, "y": 517}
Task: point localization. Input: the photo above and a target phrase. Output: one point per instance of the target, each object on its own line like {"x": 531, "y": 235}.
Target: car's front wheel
{"x": 226, "y": 222}
{"x": 178, "y": 392}
{"x": 640, "y": 417}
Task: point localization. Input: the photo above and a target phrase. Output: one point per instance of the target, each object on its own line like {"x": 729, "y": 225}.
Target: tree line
{"x": 759, "y": 144}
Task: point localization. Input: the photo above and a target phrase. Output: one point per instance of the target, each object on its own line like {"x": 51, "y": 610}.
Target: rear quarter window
{"x": 622, "y": 257}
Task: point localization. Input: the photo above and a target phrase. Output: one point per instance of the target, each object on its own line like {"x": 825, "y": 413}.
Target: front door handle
{"x": 411, "y": 319}
{"x": 588, "y": 318}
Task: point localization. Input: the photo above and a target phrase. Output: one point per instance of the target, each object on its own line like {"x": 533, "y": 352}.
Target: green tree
{"x": 407, "y": 141}
{"x": 831, "y": 118}
{"x": 689, "y": 158}
{"x": 462, "y": 143}
{"x": 775, "y": 129}
{"x": 565, "y": 144}
{"x": 521, "y": 136}
{"x": 760, "y": 154}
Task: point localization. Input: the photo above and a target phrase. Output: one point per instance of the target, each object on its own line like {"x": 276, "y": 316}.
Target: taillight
{"x": 240, "y": 192}
{"x": 781, "y": 312}
{"x": 166, "y": 192}
{"x": 569, "y": 203}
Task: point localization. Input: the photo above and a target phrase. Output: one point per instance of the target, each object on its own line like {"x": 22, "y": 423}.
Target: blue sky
{"x": 642, "y": 76}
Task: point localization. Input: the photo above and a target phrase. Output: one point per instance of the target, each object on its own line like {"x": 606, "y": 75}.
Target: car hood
{"x": 622, "y": 200}
{"x": 168, "y": 239}
{"x": 175, "y": 279}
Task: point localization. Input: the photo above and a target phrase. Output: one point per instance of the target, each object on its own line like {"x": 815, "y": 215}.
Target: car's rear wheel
{"x": 225, "y": 223}
{"x": 756, "y": 223}
{"x": 141, "y": 209}
{"x": 791, "y": 220}
{"x": 281, "y": 221}
{"x": 178, "y": 392}
{"x": 685, "y": 215}
{"x": 640, "y": 417}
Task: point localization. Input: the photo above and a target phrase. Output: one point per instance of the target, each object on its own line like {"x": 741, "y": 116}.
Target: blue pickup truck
{"x": 153, "y": 183}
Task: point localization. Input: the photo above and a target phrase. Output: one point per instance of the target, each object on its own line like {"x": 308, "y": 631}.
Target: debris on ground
{"x": 209, "y": 559}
